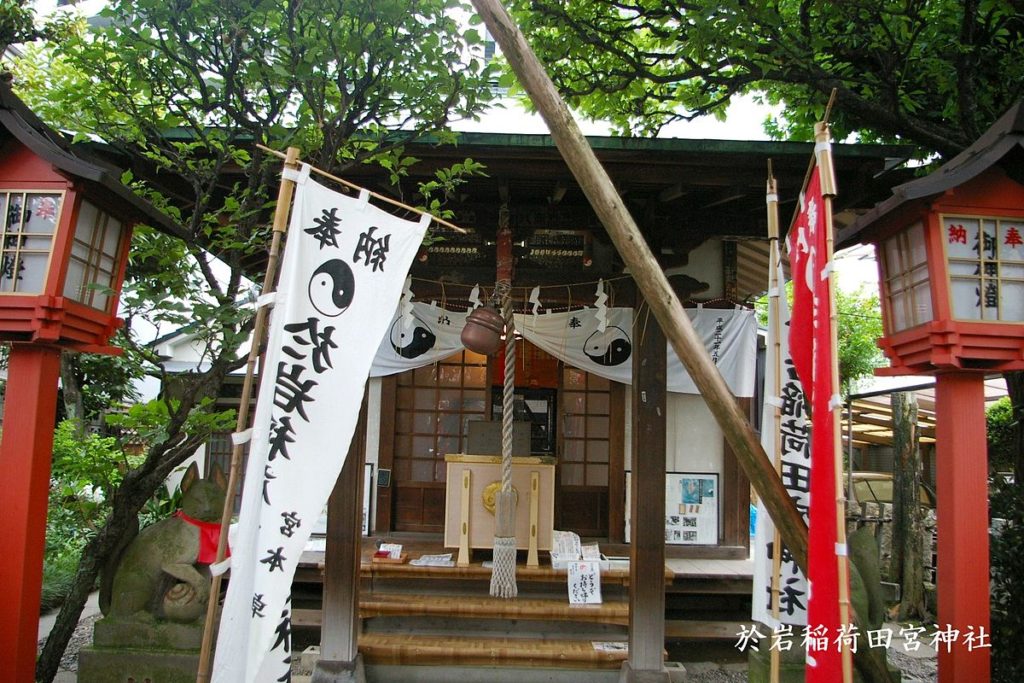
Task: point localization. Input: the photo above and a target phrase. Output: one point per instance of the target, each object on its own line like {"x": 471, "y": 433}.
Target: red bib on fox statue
{"x": 209, "y": 537}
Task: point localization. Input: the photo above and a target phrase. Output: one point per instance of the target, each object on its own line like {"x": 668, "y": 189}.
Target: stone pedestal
{"x": 127, "y": 649}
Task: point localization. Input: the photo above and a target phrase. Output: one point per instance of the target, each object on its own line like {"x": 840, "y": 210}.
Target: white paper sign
{"x": 566, "y": 545}
{"x": 585, "y": 583}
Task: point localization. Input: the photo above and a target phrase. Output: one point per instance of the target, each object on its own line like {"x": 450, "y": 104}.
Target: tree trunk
{"x": 907, "y": 515}
{"x": 1015, "y": 388}
{"x": 94, "y": 557}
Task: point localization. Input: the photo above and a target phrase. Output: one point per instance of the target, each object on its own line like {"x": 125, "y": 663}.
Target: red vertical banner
{"x": 811, "y": 347}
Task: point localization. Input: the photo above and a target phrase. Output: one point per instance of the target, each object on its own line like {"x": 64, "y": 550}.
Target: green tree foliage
{"x": 1000, "y": 425}
{"x": 931, "y": 72}
{"x": 859, "y": 326}
{"x": 184, "y": 91}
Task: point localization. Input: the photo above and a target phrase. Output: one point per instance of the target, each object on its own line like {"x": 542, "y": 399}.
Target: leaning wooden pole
{"x": 648, "y": 275}
{"x": 284, "y": 201}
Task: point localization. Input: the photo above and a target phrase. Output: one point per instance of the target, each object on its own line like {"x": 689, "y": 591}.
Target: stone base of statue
{"x": 126, "y": 649}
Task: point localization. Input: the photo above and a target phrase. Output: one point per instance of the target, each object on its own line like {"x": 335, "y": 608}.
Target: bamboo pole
{"x": 648, "y": 275}
{"x": 284, "y": 200}
{"x": 775, "y": 313}
{"x": 375, "y": 195}
{"x": 822, "y": 138}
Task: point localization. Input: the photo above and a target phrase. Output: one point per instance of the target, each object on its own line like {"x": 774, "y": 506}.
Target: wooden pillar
{"x": 617, "y": 464}
{"x": 647, "y": 550}
{"x": 25, "y": 454}
{"x": 339, "y": 635}
{"x": 736, "y": 499}
{"x": 962, "y": 515}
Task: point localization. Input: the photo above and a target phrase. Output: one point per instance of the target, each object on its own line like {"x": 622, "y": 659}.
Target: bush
{"x": 1000, "y": 427}
{"x": 1007, "y": 550}
{"x": 86, "y": 469}
{"x": 58, "y": 573}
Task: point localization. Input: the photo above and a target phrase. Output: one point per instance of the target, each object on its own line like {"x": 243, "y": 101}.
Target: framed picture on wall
{"x": 691, "y": 508}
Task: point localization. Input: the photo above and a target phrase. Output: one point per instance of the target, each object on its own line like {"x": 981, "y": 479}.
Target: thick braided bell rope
{"x": 508, "y": 396}
{"x": 503, "y": 572}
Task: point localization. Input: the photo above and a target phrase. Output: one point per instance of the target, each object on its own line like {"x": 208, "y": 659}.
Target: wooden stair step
{"x": 701, "y": 629}
{"x": 544, "y": 573}
{"x": 411, "y": 650}
{"x": 389, "y": 604}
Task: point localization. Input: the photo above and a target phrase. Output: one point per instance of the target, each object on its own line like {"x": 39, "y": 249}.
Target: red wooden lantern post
{"x": 65, "y": 226}
{"x": 951, "y": 259}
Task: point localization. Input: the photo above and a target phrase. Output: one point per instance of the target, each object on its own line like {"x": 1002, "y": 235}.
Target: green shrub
{"x": 1007, "y": 549}
{"x": 1000, "y": 427}
{"x": 86, "y": 470}
{"x": 58, "y": 572}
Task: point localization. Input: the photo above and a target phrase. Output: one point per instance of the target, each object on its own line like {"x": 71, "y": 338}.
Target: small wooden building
{"x": 701, "y": 207}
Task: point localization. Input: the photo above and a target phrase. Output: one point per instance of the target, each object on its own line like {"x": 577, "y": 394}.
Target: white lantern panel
{"x": 112, "y": 238}
{"x": 9, "y": 266}
{"x": 42, "y": 214}
{"x": 100, "y": 300}
{"x": 13, "y": 216}
{"x": 966, "y": 299}
{"x": 899, "y": 311}
{"x": 962, "y": 237}
{"x": 989, "y": 250}
{"x": 85, "y": 228}
{"x": 918, "y": 253}
{"x": 32, "y": 272}
{"x": 74, "y": 283}
{"x": 891, "y": 257}
{"x": 922, "y": 297}
{"x": 1011, "y": 241}
{"x": 93, "y": 256}
{"x": 1011, "y": 301}
{"x": 40, "y": 243}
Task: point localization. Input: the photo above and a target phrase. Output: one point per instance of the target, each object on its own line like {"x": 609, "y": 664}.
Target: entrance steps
{"x": 419, "y": 618}
{"x": 425, "y": 624}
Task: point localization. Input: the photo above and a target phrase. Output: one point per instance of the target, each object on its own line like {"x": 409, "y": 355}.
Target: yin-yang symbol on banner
{"x": 608, "y": 348}
{"x": 411, "y": 343}
{"x": 332, "y": 287}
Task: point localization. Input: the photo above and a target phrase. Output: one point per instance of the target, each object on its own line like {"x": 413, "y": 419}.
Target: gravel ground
{"x": 79, "y": 639}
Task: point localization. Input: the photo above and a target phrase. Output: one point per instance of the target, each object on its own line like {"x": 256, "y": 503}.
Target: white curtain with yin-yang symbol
{"x": 576, "y": 338}
{"x": 422, "y": 334}
{"x": 583, "y": 340}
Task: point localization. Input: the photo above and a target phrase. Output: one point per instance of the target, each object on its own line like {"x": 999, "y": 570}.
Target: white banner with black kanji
{"x": 792, "y": 440}
{"x": 344, "y": 265}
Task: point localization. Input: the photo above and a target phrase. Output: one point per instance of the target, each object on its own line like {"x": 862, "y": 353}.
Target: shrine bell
{"x": 65, "y": 227}
{"x": 950, "y": 252}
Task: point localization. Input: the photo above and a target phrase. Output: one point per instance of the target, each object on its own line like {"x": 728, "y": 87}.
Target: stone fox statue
{"x": 162, "y": 572}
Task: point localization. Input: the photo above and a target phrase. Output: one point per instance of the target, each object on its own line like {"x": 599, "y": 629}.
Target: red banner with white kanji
{"x": 811, "y": 347}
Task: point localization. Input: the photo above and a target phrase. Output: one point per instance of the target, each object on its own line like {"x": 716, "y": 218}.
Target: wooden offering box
{"x": 471, "y": 483}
